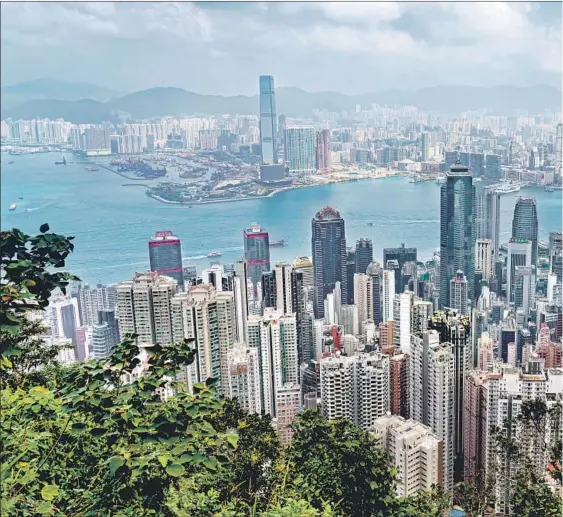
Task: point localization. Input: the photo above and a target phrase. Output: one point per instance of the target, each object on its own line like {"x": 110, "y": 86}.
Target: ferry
{"x": 91, "y": 169}
{"x": 508, "y": 188}
{"x": 12, "y": 207}
{"x": 214, "y": 254}
{"x": 277, "y": 244}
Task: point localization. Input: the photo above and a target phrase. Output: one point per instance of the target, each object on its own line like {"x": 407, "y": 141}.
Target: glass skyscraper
{"x": 268, "y": 121}
{"x": 328, "y": 245}
{"x": 165, "y": 255}
{"x": 300, "y": 149}
{"x": 457, "y": 232}
{"x": 525, "y": 223}
{"x": 256, "y": 252}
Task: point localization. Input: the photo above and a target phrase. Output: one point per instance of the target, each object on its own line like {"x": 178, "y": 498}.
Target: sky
{"x": 222, "y": 48}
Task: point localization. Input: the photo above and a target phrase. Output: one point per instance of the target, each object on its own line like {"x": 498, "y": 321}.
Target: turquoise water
{"x": 112, "y": 223}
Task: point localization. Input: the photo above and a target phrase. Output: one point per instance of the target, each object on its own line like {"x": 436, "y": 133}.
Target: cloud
{"x": 346, "y": 46}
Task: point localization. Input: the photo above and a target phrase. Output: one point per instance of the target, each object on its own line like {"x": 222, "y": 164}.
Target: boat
{"x": 214, "y": 254}
{"x": 10, "y": 162}
{"x": 12, "y": 207}
{"x": 29, "y": 209}
{"x": 508, "y": 188}
{"x": 21, "y": 197}
{"x": 277, "y": 244}
{"x": 91, "y": 169}
{"x": 370, "y": 224}
{"x": 549, "y": 189}
{"x": 63, "y": 162}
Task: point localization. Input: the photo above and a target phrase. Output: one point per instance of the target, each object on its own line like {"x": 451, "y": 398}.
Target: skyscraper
{"x": 244, "y": 377}
{"x": 458, "y": 293}
{"x": 323, "y": 151}
{"x": 388, "y": 295}
{"x": 364, "y": 254}
{"x": 520, "y": 253}
{"x": 487, "y": 217}
{"x": 268, "y": 121}
{"x": 165, "y": 255}
{"x": 328, "y": 245}
{"x": 484, "y": 257}
{"x": 374, "y": 271}
{"x": 425, "y": 146}
{"x": 457, "y": 235}
{"x": 559, "y": 153}
{"x": 363, "y": 296}
{"x": 256, "y": 252}
{"x": 525, "y": 223}
{"x": 300, "y": 149}
{"x": 402, "y": 255}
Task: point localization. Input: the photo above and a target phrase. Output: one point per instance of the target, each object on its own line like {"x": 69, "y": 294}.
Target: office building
{"x": 274, "y": 335}
{"x": 401, "y": 255}
{"x": 432, "y": 396}
{"x": 256, "y": 252}
{"x": 524, "y": 288}
{"x": 244, "y": 377}
{"x": 208, "y": 317}
{"x": 268, "y": 121}
{"x": 457, "y": 235}
{"x": 328, "y": 243}
{"x": 399, "y": 382}
{"x": 454, "y": 330}
{"x": 144, "y": 307}
{"x": 356, "y": 388}
{"x": 387, "y": 295}
{"x": 415, "y": 452}
{"x": 459, "y": 294}
{"x": 487, "y": 217}
{"x": 305, "y": 265}
{"x": 102, "y": 341}
{"x": 525, "y": 224}
{"x": 363, "y": 255}
{"x": 323, "y": 151}
{"x": 300, "y": 150}
{"x": 240, "y": 292}
{"x": 65, "y": 321}
{"x": 363, "y": 296}
{"x": 519, "y": 253}
{"x": 493, "y": 167}
{"x": 165, "y": 255}
{"x": 425, "y": 146}
{"x": 374, "y": 271}
{"x": 484, "y": 258}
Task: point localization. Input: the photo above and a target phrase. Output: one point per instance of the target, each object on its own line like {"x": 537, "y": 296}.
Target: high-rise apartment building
{"x": 274, "y": 335}
{"x": 244, "y": 377}
{"x": 94, "y": 299}
{"x": 459, "y": 294}
{"x": 374, "y": 271}
{"x": 425, "y": 146}
{"x": 288, "y": 402}
{"x": 484, "y": 258}
{"x": 240, "y": 291}
{"x": 432, "y": 393}
{"x": 387, "y": 295}
{"x": 416, "y": 453}
{"x": 363, "y": 296}
{"x": 457, "y": 235}
{"x": 207, "y": 317}
{"x": 399, "y": 382}
{"x": 268, "y": 121}
{"x": 256, "y": 252}
{"x": 165, "y": 254}
{"x": 525, "y": 224}
{"x": 356, "y": 388}
{"x": 300, "y": 149}
{"x": 328, "y": 245}
{"x": 144, "y": 308}
{"x": 102, "y": 341}
{"x": 323, "y": 151}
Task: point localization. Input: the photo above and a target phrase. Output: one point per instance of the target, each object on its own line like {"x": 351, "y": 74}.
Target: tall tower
{"x": 323, "y": 151}
{"x": 457, "y": 234}
{"x": 165, "y": 255}
{"x": 301, "y": 143}
{"x": 268, "y": 121}
{"x": 387, "y": 295}
{"x": 374, "y": 271}
{"x": 256, "y": 252}
{"x": 525, "y": 223}
{"x": 559, "y": 153}
{"x": 458, "y": 293}
{"x": 425, "y": 146}
{"x": 364, "y": 255}
{"x": 328, "y": 243}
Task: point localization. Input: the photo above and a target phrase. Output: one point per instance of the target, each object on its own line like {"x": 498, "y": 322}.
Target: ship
{"x": 277, "y": 244}
{"x": 10, "y": 162}
{"x": 62, "y": 162}
{"x": 12, "y": 207}
{"x": 214, "y": 254}
{"x": 549, "y": 189}
{"x": 370, "y": 224}
{"x": 91, "y": 169}
{"x": 508, "y": 188}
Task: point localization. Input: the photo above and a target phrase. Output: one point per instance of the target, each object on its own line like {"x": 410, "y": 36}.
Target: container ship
{"x": 277, "y": 244}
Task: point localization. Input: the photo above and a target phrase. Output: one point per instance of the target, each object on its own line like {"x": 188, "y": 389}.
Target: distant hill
{"x": 27, "y": 91}
{"x": 155, "y": 102}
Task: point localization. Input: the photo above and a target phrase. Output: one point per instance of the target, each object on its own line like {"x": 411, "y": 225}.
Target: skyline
{"x": 315, "y": 46}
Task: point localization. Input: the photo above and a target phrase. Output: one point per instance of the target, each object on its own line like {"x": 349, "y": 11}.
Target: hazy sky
{"x": 223, "y": 47}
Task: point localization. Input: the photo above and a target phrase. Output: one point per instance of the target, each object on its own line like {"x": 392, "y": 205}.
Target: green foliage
{"x": 532, "y": 497}
{"x": 27, "y": 277}
{"x": 337, "y": 462}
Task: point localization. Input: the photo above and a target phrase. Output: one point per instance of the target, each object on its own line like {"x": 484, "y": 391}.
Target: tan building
{"x": 415, "y": 452}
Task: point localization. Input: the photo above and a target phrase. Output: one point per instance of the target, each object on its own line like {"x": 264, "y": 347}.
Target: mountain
{"x": 27, "y": 91}
{"x": 294, "y": 102}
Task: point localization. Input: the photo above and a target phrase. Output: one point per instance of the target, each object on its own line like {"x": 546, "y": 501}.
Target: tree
{"x": 532, "y": 497}
{"x": 336, "y": 462}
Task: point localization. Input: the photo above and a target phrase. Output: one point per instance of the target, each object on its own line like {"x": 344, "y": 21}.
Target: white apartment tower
{"x": 363, "y": 297}
{"x": 484, "y": 257}
{"x": 244, "y": 377}
{"x": 388, "y": 295}
{"x": 144, "y": 308}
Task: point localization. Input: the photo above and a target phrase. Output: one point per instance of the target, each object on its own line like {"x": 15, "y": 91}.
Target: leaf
{"x": 44, "y": 228}
{"x": 115, "y": 462}
{"x": 163, "y": 459}
{"x": 44, "y": 507}
{"x": 49, "y": 492}
{"x": 232, "y": 438}
{"x": 175, "y": 470}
